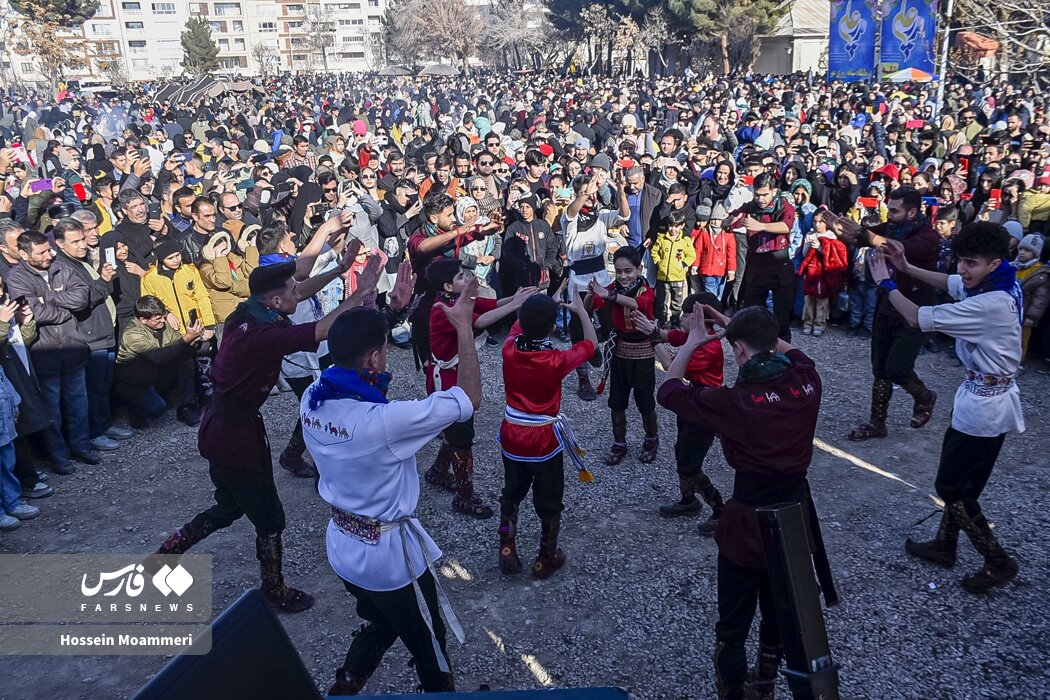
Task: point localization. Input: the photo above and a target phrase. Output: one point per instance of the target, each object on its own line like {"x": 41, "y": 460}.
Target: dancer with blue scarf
{"x": 364, "y": 446}
{"x": 985, "y": 320}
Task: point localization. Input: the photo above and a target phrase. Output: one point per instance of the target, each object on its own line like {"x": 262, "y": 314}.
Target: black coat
{"x": 528, "y": 249}
{"x": 32, "y": 413}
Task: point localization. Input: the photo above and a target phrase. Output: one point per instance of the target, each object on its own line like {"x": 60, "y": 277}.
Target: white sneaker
{"x": 24, "y": 511}
{"x": 7, "y": 523}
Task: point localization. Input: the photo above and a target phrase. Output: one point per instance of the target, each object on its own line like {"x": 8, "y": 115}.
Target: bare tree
{"x": 48, "y": 40}
{"x": 1022, "y": 29}
{"x": 267, "y": 57}
{"x": 514, "y": 33}
{"x": 448, "y": 28}
{"x": 600, "y": 30}
{"x": 319, "y": 29}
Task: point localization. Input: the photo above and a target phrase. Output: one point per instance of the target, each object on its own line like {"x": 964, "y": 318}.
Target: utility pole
{"x": 945, "y": 42}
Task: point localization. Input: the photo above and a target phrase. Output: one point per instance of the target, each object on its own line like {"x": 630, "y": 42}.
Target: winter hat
{"x": 1015, "y": 229}
{"x": 1032, "y": 242}
{"x": 703, "y": 210}
{"x": 629, "y": 120}
{"x": 532, "y": 202}
{"x": 719, "y": 213}
{"x": 360, "y": 128}
{"x": 601, "y": 161}
{"x": 804, "y": 184}
{"x": 582, "y": 143}
{"x": 164, "y": 248}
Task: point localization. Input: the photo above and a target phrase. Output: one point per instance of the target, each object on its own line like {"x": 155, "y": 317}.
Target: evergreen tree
{"x": 734, "y": 24}
{"x": 200, "y": 53}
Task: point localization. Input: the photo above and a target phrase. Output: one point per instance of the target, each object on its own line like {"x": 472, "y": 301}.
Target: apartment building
{"x": 143, "y": 37}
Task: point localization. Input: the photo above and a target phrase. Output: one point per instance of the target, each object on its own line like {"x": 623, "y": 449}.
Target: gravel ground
{"x": 635, "y": 606}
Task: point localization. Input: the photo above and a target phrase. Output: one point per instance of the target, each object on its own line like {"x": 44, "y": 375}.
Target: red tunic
{"x": 533, "y": 385}
{"x": 444, "y": 342}
{"x": 646, "y": 298}
{"x": 706, "y": 366}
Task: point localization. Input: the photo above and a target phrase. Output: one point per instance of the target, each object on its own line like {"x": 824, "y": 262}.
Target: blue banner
{"x": 851, "y": 44}
{"x": 909, "y": 28}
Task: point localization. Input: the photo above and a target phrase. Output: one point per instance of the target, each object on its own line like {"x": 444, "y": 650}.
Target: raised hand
{"x": 715, "y": 315}
{"x": 894, "y": 250}
{"x": 695, "y": 325}
{"x": 462, "y": 314}
{"x": 368, "y": 278}
{"x": 879, "y": 271}
{"x": 401, "y": 294}
{"x": 524, "y": 293}
{"x": 643, "y": 323}
{"x": 575, "y": 304}
{"x": 350, "y": 252}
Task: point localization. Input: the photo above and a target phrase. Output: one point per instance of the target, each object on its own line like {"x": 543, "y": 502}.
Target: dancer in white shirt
{"x": 365, "y": 448}
{"x": 986, "y": 323}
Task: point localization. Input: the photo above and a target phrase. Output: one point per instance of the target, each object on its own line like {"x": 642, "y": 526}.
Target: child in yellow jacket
{"x": 673, "y": 254}
{"x": 180, "y": 287}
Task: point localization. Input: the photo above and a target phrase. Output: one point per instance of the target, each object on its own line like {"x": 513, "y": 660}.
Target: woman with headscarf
{"x": 303, "y": 209}
{"x": 844, "y": 191}
{"x": 952, "y": 188}
{"x": 482, "y": 254}
{"x": 718, "y": 187}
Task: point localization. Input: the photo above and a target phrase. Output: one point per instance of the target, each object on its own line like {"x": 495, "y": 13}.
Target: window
{"x": 131, "y": 8}
{"x": 346, "y": 6}
{"x": 293, "y": 9}
{"x": 267, "y": 26}
{"x": 266, "y": 10}
{"x": 238, "y": 45}
{"x": 298, "y": 56}
{"x": 355, "y": 39}
{"x": 344, "y": 23}
{"x": 198, "y": 8}
{"x": 163, "y": 8}
{"x": 373, "y": 3}
{"x": 217, "y": 27}
{"x": 374, "y": 19}
{"x": 350, "y": 55}
{"x": 224, "y": 44}
{"x": 169, "y": 45}
{"x": 225, "y": 9}
{"x": 357, "y": 22}
{"x": 137, "y": 48}
{"x": 237, "y": 26}
{"x": 102, "y": 29}
{"x": 295, "y": 25}
{"x": 107, "y": 48}
{"x": 140, "y": 63}
{"x": 134, "y": 26}
{"x": 353, "y": 6}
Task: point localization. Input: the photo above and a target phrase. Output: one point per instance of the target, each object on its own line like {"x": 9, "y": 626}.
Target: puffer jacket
{"x": 715, "y": 253}
{"x": 225, "y": 276}
{"x": 143, "y": 354}
{"x": 60, "y": 342}
{"x": 1034, "y": 206}
{"x": 673, "y": 257}
{"x": 182, "y": 291}
{"x": 824, "y": 268}
{"x": 1036, "y": 296}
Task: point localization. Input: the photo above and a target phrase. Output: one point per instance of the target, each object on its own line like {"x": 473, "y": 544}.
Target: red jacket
{"x": 824, "y": 268}
{"x": 715, "y": 255}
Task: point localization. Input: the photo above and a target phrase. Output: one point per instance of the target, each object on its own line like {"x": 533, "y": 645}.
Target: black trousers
{"x": 740, "y": 592}
{"x": 546, "y": 479}
{"x": 393, "y": 615}
{"x": 966, "y": 463}
{"x": 894, "y": 347}
{"x": 758, "y": 286}
{"x": 691, "y": 447}
{"x": 461, "y": 435}
{"x": 637, "y": 376}
{"x": 249, "y": 492}
{"x": 299, "y": 386}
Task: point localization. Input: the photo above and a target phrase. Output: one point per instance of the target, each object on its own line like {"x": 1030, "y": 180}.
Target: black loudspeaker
{"x": 251, "y": 657}
{"x": 811, "y": 672}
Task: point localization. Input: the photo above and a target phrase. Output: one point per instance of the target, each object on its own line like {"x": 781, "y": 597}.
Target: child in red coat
{"x": 715, "y": 251}
{"x": 824, "y": 262}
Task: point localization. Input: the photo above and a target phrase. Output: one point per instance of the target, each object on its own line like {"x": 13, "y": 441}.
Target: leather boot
{"x": 688, "y": 505}
{"x": 509, "y": 562}
{"x": 925, "y": 400}
{"x": 269, "y": 551}
{"x": 292, "y": 457}
{"x": 440, "y": 472}
{"x": 466, "y": 501}
{"x": 713, "y": 498}
{"x": 179, "y": 541}
{"x": 941, "y": 550}
{"x": 999, "y": 567}
{"x": 762, "y": 679}
{"x": 725, "y": 691}
{"x": 550, "y": 558}
{"x": 619, "y": 447}
{"x": 881, "y": 392}
{"x": 345, "y": 684}
{"x": 586, "y": 391}
{"x": 652, "y": 439}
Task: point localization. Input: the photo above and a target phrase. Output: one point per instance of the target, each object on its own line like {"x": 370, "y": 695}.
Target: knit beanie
{"x": 1032, "y": 242}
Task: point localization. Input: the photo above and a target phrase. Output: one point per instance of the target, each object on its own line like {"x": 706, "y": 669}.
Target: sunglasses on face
{"x": 235, "y": 207}
{"x": 366, "y": 176}
{"x": 329, "y": 189}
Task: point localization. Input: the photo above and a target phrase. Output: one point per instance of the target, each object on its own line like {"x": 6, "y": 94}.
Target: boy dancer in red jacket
{"x": 534, "y": 434}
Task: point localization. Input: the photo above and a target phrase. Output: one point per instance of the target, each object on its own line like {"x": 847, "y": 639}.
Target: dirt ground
{"x": 635, "y": 606}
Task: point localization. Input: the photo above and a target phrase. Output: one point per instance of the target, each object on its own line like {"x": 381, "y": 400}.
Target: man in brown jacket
{"x": 225, "y": 274}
